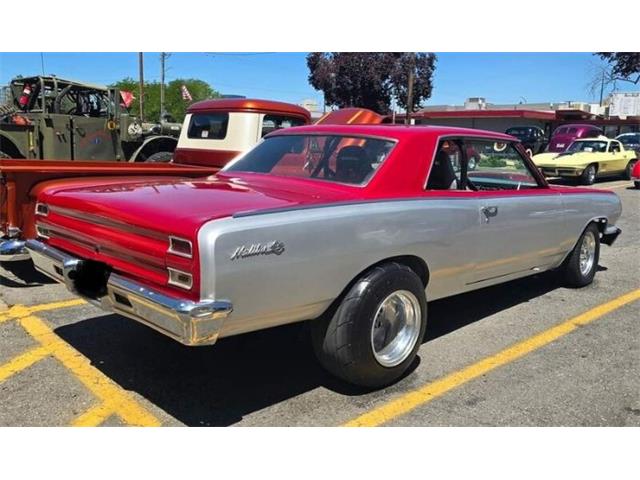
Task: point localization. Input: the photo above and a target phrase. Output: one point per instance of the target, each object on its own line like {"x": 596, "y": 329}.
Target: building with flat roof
{"x": 620, "y": 113}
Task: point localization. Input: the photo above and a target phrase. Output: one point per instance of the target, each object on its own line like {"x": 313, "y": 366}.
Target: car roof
{"x": 594, "y": 139}
{"x": 396, "y": 132}
{"x": 249, "y": 105}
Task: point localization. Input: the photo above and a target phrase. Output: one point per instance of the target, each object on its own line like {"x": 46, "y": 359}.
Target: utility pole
{"x": 141, "y": 87}
{"x": 163, "y": 58}
{"x": 602, "y": 87}
{"x": 407, "y": 120}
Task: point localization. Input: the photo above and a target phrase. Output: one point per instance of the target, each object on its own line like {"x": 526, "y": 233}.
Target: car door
{"x": 520, "y": 218}
{"x": 617, "y": 161}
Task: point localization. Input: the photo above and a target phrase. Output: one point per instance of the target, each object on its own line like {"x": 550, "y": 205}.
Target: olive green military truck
{"x": 50, "y": 118}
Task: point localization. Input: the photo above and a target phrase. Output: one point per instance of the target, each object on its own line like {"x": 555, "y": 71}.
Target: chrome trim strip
{"x": 189, "y": 322}
{"x": 106, "y": 222}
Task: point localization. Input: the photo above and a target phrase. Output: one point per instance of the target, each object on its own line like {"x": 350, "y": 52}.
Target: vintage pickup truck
{"x": 214, "y": 131}
{"x": 352, "y": 227}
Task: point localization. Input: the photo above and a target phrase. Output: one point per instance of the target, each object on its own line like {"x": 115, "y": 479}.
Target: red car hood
{"x": 180, "y": 206}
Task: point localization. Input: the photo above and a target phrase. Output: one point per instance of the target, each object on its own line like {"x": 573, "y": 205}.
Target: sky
{"x": 499, "y": 77}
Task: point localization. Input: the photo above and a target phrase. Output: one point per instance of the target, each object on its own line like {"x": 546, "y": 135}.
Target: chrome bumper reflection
{"x": 13, "y": 250}
{"x": 191, "y": 323}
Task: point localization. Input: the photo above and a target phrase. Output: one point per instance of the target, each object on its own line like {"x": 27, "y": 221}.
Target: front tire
{"x": 589, "y": 175}
{"x": 375, "y": 333}
{"x": 580, "y": 266}
{"x": 637, "y": 184}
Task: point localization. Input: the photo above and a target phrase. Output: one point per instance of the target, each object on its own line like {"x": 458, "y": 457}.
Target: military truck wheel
{"x": 160, "y": 157}
{"x": 7, "y": 109}
{"x": 373, "y": 336}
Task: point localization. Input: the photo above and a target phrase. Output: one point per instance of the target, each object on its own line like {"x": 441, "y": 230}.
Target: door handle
{"x": 489, "y": 212}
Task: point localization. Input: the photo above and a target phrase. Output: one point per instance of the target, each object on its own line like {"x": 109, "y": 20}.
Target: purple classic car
{"x": 565, "y": 134}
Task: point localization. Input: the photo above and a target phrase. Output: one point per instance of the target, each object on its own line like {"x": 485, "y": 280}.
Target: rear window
{"x": 208, "y": 126}
{"x": 335, "y": 158}
{"x": 271, "y": 123}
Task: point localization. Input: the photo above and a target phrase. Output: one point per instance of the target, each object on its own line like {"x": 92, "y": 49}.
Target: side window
{"x": 499, "y": 166}
{"x": 271, "y": 123}
{"x": 211, "y": 126}
{"x": 614, "y": 147}
{"x": 445, "y": 170}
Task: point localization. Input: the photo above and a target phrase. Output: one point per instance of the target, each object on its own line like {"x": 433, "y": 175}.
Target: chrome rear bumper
{"x": 190, "y": 323}
{"x": 13, "y": 250}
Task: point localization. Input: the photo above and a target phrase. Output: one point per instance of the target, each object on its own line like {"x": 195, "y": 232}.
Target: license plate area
{"x": 90, "y": 278}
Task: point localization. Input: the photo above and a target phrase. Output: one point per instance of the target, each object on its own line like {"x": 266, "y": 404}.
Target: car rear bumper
{"x": 13, "y": 250}
{"x": 189, "y": 322}
{"x": 610, "y": 234}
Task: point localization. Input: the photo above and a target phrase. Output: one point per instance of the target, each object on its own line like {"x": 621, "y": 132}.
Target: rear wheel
{"x": 580, "y": 266}
{"x": 374, "y": 335}
{"x": 589, "y": 175}
{"x": 629, "y": 169}
{"x": 3, "y": 155}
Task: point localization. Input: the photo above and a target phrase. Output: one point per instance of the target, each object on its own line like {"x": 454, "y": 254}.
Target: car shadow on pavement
{"x": 23, "y": 271}
{"x": 452, "y": 313}
{"x": 221, "y": 384}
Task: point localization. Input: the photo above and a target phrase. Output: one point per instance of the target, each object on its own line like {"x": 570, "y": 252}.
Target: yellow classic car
{"x": 588, "y": 158}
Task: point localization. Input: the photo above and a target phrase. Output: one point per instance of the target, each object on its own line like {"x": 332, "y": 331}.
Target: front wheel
{"x": 637, "y": 184}
{"x": 589, "y": 175}
{"x": 580, "y": 266}
{"x": 375, "y": 333}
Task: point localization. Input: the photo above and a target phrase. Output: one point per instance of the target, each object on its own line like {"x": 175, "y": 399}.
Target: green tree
{"x": 174, "y": 104}
{"x": 371, "y": 79}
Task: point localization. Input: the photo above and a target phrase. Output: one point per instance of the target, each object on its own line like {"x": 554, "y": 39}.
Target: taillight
{"x": 180, "y": 279}
{"x": 180, "y": 247}
{"x": 42, "y": 209}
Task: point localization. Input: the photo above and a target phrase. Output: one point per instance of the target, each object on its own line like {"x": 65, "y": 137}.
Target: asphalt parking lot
{"x": 525, "y": 353}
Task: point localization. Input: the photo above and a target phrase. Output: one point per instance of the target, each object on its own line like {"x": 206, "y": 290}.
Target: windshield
{"x": 336, "y": 158}
{"x": 520, "y": 132}
{"x": 629, "y": 138}
{"x": 587, "y": 146}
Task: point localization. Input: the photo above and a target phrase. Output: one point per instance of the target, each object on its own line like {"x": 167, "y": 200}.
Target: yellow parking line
{"x": 425, "y": 394}
{"x": 22, "y": 361}
{"x": 94, "y": 416}
{"x": 18, "y": 311}
{"x": 108, "y": 392}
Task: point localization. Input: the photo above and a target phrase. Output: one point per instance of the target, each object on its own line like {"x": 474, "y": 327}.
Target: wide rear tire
{"x": 374, "y": 335}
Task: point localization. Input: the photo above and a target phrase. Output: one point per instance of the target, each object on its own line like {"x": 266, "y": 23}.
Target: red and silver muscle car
{"x": 352, "y": 227}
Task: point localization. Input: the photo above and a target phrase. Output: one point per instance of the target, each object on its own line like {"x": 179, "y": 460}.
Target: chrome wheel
{"x": 396, "y": 327}
{"x": 591, "y": 174}
{"x": 587, "y": 253}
